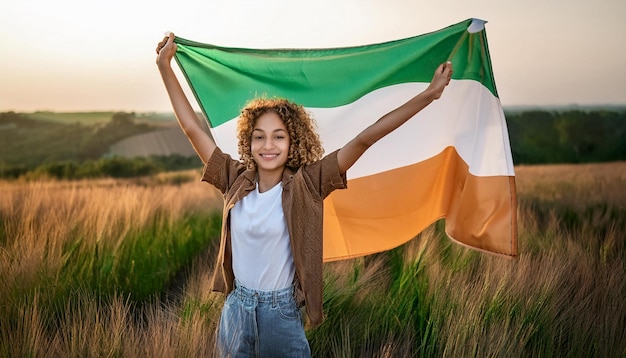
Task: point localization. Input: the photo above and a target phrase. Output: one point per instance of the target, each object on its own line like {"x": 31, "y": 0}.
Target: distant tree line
{"x": 34, "y": 148}
{"x": 112, "y": 167}
{"x": 572, "y": 136}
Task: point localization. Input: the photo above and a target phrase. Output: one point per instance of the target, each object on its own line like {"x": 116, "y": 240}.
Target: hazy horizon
{"x": 76, "y": 56}
{"x": 166, "y": 111}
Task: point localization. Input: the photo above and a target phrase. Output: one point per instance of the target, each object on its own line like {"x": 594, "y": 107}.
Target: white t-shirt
{"x": 262, "y": 256}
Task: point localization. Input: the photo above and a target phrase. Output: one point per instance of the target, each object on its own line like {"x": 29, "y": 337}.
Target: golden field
{"x": 85, "y": 271}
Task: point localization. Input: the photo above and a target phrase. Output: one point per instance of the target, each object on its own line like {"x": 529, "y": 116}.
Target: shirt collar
{"x": 250, "y": 176}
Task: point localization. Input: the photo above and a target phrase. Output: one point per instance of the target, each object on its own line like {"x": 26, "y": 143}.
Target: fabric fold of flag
{"x": 452, "y": 160}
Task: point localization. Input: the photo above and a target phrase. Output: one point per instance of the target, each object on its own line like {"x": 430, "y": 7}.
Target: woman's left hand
{"x": 440, "y": 80}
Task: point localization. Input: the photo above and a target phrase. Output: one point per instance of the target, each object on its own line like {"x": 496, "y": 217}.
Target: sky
{"x": 96, "y": 55}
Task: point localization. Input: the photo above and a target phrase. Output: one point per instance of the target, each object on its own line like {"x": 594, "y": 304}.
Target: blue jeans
{"x": 261, "y": 324}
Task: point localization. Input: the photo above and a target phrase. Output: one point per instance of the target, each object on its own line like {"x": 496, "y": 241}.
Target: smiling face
{"x": 270, "y": 143}
{"x": 304, "y": 143}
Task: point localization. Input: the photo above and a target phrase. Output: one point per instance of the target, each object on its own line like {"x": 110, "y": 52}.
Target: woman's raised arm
{"x": 353, "y": 150}
{"x": 186, "y": 116}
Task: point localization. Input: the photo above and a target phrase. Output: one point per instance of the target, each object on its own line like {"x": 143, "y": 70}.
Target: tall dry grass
{"x": 53, "y": 229}
{"x": 564, "y": 296}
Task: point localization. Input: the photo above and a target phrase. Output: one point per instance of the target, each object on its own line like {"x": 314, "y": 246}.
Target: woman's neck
{"x": 267, "y": 180}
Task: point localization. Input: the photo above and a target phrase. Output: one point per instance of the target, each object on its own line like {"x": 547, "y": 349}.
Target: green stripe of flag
{"x": 223, "y": 79}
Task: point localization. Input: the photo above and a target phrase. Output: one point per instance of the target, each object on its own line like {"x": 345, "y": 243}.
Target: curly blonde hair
{"x": 304, "y": 142}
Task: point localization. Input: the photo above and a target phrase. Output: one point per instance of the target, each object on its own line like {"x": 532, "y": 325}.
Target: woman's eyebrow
{"x": 275, "y": 130}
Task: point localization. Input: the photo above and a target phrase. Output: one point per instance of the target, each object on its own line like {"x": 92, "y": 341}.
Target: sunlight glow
{"x": 71, "y": 55}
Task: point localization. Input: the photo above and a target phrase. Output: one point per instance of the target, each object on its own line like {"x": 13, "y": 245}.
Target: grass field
{"x": 112, "y": 268}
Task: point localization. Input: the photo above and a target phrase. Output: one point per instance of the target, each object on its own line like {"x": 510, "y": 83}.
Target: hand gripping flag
{"x": 452, "y": 160}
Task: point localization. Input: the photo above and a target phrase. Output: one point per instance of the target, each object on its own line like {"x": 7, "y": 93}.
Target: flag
{"x": 452, "y": 160}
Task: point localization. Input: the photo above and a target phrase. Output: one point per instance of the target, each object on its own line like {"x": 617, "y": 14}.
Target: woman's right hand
{"x": 165, "y": 50}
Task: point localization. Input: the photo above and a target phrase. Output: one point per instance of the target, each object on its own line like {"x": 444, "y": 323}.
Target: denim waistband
{"x": 263, "y": 296}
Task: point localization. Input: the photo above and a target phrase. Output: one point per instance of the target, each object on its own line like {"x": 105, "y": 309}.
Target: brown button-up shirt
{"x": 303, "y": 196}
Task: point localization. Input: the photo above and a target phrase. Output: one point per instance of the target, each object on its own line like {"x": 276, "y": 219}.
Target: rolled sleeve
{"x": 331, "y": 177}
{"x": 221, "y": 170}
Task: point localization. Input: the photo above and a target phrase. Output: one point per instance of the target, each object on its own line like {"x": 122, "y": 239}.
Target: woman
{"x": 270, "y": 258}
